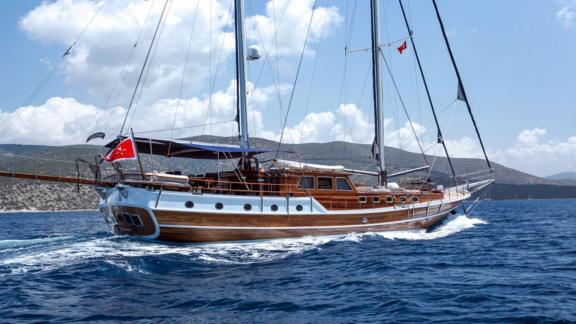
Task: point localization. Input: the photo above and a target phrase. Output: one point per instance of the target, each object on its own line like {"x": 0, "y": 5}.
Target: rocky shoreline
{"x": 31, "y": 195}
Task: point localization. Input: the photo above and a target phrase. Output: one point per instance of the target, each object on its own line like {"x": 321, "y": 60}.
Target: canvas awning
{"x": 185, "y": 149}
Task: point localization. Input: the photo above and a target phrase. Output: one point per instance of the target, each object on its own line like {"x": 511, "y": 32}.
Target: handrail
{"x": 72, "y": 180}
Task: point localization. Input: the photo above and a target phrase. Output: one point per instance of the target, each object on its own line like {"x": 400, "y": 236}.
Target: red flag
{"x": 402, "y": 47}
{"x": 125, "y": 150}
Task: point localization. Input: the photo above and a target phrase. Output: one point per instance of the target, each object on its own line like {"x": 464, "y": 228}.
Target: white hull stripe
{"x": 357, "y": 212}
{"x": 262, "y": 228}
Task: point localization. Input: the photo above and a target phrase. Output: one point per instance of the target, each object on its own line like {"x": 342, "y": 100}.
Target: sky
{"x": 516, "y": 58}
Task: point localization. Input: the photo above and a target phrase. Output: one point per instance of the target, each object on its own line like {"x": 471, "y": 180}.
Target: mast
{"x": 376, "y": 86}
{"x": 242, "y": 116}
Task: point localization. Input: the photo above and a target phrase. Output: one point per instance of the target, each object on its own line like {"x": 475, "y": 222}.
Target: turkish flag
{"x": 125, "y": 150}
{"x": 402, "y": 47}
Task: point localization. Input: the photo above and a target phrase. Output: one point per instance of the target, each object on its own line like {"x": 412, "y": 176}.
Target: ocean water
{"x": 509, "y": 261}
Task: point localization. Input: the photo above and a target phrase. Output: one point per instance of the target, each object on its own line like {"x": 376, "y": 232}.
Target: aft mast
{"x": 376, "y": 86}
{"x": 242, "y": 116}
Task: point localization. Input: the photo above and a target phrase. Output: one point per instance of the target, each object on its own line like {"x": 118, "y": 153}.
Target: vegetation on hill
{"x": 59, "y": 160}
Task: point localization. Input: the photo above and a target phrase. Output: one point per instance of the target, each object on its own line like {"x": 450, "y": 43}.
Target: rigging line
{"x": 35, "y": 158}
{"x": 296, "y": 78}
{"x": 31, "y": 97}
{"x": 342, "y": 96}
{"x": 267, "y": 64}
{"x": 187, "y": 127}
{"x": 460, "y": 84}
{"x": 181, "y": 89}
{"x": 151, "y": 64}
{"x": 415, "y": 65}
{"x": 122, "y": 74}
{"x": 276, "y": 73}
{"x": 351, "y": 28}
{"x": 310, "y": 87}
{"x": 425, "y": 83}
{"x": 403, "y": 105}
{"x": 144, "y": 65}
{"x": 217, "y": 68}
{"x": 84, "y": 30}
{"x": 447, "y": 106}
{"x": 210, "y": 54}
{"x": 277, "y": 24}
{"x": 50, "y": 74}
{"x": 364, "y": 83}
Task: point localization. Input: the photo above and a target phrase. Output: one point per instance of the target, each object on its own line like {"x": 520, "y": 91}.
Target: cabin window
{"x": 131, "y": 219}
{"x": 362, "y": 199}
{"x": 342, "y": 184}
{"x": 306, "y": 183}
{"x": 389, "y": 199}
{"x": 415, "y": 199}
{"x": 136, "y": 220}
{"x": 376, "y": 200}
{"x": 325, "y": 183}
{"x": 403, "y": 199}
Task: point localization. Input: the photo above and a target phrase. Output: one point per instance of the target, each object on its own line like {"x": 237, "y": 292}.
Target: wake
{"x": 51, "y": 253}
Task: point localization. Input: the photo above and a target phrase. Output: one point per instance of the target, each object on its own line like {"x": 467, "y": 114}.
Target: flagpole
{"x": 137, "y": 154}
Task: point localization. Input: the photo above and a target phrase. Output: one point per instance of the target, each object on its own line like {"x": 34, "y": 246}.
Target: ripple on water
{"x": 50, "y": 253}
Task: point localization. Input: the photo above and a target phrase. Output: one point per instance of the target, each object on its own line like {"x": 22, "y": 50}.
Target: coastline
{"x": 15, "y": 211}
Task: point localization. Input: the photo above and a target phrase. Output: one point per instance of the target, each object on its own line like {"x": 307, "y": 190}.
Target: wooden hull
{"x": 199, "y": 234}
{"x": 184, "y": 226}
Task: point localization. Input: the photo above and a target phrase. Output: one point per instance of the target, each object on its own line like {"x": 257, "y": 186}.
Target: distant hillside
{"x": 564, "y": 176}
{"x": 357, "y": 156}
{"x": 510, "y": 183}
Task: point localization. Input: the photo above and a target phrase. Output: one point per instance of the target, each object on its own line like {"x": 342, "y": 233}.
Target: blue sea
{"x": 508, "y": 261}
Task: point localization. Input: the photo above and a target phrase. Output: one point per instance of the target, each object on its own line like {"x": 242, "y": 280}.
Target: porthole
{"x": 219, "y": 206}
{"x": 189, "y": 204}
{"x": 274, "y": 207}
{"x": 247, "y": 207}
{"x": 299, "y": 208}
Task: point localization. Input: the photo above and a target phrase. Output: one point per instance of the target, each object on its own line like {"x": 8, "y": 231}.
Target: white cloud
{"x": 531, "y": 136}
{"x": 99, "y": 58}
{"x": 61, "y": 121}
{"x": 347, "y": 123}
{"x": 567, "y": 14}
{"x": 534, "y": 155}
{"x": 285, "y": 25}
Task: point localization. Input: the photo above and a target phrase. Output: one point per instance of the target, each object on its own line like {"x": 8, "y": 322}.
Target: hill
{"x": 566, "y": 177}
{"x": 510, "y": 183}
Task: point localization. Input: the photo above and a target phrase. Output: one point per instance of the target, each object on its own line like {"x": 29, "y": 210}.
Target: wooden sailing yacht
{"x": 277, "y": 200}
